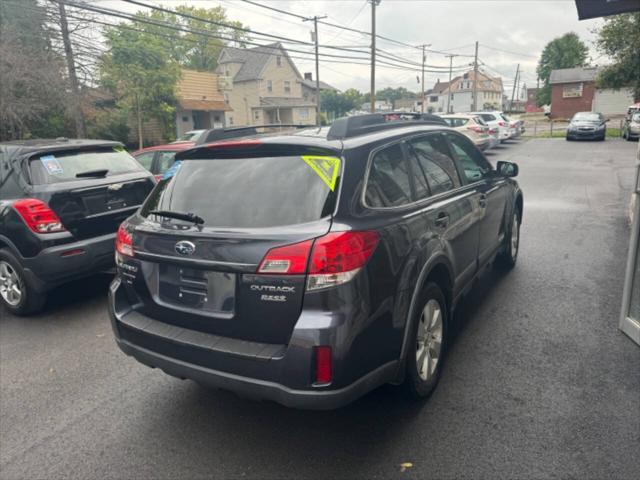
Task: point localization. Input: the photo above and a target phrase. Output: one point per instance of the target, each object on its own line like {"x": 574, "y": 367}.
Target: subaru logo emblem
{"x": 185, "y": 248}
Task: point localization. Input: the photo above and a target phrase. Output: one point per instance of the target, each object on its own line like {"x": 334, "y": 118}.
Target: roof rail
{"x": 217, "y": 134}
{"x": 347, "y": 127}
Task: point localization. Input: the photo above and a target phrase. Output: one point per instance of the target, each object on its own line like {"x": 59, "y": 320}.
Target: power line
{"x": 507, "y": 51}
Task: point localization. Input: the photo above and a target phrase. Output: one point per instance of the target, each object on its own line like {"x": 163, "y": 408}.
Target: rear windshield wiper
{"x": 102, "y": 172}
{"x": 189, "y": 217}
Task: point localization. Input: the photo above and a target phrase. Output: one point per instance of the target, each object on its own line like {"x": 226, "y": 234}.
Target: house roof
{"x": 485, "y": 82}
{"x": 253, "y": 60}
{"x": 312, "y": 84}
{"x": 200, "y": 91}
{"x": 570, "y": 75}
{"x": 285, "y": 102}
{"x": 440, "y": 87}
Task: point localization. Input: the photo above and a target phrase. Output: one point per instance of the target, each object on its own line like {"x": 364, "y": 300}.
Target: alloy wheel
{"x": 10, "y": 285}
{"x": 429, "y": 339}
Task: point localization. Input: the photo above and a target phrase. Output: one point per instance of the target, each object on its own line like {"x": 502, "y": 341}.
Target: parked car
{"x": 310, "y": 269}
{"x": 159, "y": 159}
{"x": 494, "y": 120}
{"x": 472, "y": 126}
{"x": 190, "y": 136}
{"x": 61, "y": 202}
{"x": 516, "y": 127}
{"x": 587, "y": 126}
{"x": 631, "y": 127}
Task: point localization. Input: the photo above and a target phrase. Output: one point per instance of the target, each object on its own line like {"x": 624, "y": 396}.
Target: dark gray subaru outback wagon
{"x": 311, "y": 268}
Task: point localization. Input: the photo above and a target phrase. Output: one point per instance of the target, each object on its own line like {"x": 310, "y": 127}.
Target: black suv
{"x": 311, "y": 268}
{"x": 61, "y": 202}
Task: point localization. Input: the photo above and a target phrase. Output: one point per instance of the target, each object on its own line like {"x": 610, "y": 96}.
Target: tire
{"x": 16, "y": 294}
{"x": 506, "y": 260}
{"x": 424, "y": 360}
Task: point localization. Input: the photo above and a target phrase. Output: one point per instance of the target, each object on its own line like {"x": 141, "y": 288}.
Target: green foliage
{"x": 190, "y": 50}
{"x": 391, "y": 95}
{"x": 140, "y": 74}
{"x": 619, "y": 38}
{"x": 110, "y": 124}
{"x": 567, "y": 51}
{"x": 340, "y": 103}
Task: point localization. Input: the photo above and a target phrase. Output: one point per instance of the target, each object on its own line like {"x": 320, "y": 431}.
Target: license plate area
{"x": 196, "y": 289}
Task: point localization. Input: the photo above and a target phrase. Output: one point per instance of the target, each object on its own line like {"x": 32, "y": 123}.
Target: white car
{"x": 494, "y": 119}
{"x": 190, "y": 136}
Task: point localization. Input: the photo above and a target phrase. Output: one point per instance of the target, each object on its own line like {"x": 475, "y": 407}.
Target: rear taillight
{"x": 476, "y": 129}
{"x": 38, "y": 216}
{"x": 323, "y": 365}
{"x": 332, "y": 259}
{"x": 124, "y": 242}
{"x": 290, "y": 259}
{"x": 502, "y": 124}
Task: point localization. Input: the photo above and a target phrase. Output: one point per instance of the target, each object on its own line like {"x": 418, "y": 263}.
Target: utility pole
{"x": 315, "y": 39}
{"x": 513, "y": 93}
{"x": 71, "y": 68}
{"x": 374, "y": 4}
{"x": 475, "y": 80}
{"x": 449, "y": 87}
{"x": 424, "y": 61}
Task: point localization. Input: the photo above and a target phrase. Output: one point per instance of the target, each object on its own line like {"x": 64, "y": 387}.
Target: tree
{"x": 198, "y": 51}
{"x": 567, "y": 51}
{"x": 32, "y": 97}
{"x": 391, "y": 95}
{"x": 340, "y": 103}
{"x": 139, "y": 72}
{"x": 619, "y": 38}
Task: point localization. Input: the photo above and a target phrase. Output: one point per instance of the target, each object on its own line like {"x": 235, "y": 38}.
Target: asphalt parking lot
{"x": 538, "y": 381}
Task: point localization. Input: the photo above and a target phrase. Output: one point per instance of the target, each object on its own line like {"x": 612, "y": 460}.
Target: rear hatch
{"x": 201, "y": 274}
{"x": 92, "y": 191}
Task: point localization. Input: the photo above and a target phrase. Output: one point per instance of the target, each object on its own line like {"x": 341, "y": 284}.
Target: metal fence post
{"x": 535, "y": 128}
{"x": 551, "y": 134}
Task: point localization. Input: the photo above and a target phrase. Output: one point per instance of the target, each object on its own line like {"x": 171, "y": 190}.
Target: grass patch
{"x": 611, "y": 133}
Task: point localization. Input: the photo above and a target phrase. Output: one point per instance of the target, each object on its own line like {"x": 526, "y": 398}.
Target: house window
{"x": 433, "y": 98}
{"x": 303, "y": 113}
{"x": 256, "y": 114}
{"x": 279, "y": 60}
{"x": 269, "y": 86}
{"x": 185, "y": 119}
{"x": 230, "y": 120}
{"x": 572, "y": 90}
{"x": 287, "y": 86}
{"x": 226, "y": 72}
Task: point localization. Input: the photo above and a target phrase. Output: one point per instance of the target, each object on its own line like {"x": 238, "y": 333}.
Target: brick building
{"x": 572, "y": 91}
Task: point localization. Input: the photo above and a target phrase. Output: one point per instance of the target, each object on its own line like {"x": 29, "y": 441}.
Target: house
{"x": 265, "y": 87}
{"x": 436, "y": 98}
{"x": 489, "y": 90}
{"x": 574, "y": 90}
{"x": 309, "y": 87}
{"x": 201, "y": 103}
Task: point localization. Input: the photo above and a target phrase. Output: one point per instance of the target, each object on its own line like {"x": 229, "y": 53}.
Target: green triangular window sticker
{"x": 327, "y": 168}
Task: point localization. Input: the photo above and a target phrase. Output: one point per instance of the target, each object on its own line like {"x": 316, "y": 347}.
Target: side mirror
{"x": 507, "y": 169}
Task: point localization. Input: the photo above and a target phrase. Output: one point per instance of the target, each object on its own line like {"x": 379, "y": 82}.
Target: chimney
{"x": 308, "y": 76}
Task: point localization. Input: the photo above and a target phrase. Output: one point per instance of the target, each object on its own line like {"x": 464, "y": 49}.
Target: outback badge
{"x": 185, "y": 248}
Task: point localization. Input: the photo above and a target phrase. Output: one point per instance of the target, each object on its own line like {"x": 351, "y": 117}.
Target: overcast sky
{"x": 521, "y": 27}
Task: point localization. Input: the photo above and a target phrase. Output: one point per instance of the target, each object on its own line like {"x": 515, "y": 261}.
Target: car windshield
{"x": 250, "y": 192}
{"x": 586, "y": 117}
{"x": 67, "y": 166}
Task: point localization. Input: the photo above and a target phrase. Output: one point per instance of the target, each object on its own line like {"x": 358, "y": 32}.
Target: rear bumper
{"x": 280, "y": 373}
{"x": 56, "y": 265}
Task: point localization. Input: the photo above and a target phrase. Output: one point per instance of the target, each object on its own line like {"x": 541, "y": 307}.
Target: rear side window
{"x": 432, "y": 164}
{"x": 256, "y": 192}
{"x": 456, "y": 122}
{"x": 388, "y": 184}
{"x": 66, "y": 166}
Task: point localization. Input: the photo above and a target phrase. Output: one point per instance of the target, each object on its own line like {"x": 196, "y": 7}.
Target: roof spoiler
{"x": 217, "y": 134}
{"x": 347, "y": 127}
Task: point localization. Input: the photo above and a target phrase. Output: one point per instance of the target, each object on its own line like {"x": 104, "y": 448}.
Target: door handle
{"x": 442, "y": 220}
{"x": 483, "y": 200}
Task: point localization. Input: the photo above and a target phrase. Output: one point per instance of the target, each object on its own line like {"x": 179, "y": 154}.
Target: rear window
{"x": 250, "y": 192}
{"x": 65, "y": 166}
{"x": 456, "y": 122}
{"x": 487, "y": 117}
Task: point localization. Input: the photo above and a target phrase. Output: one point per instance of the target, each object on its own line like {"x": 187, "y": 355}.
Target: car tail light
{"x": 502, "y": 124}
{"x": 124, "y": 242}
{"x": 324, "y": 365}
{"x": 332, "y": 259}
{"x": 38, "y": 216}
{"x": 290, "y": 259}
{"x": 476, "y": 128}
{"x": 493, "y": 131}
